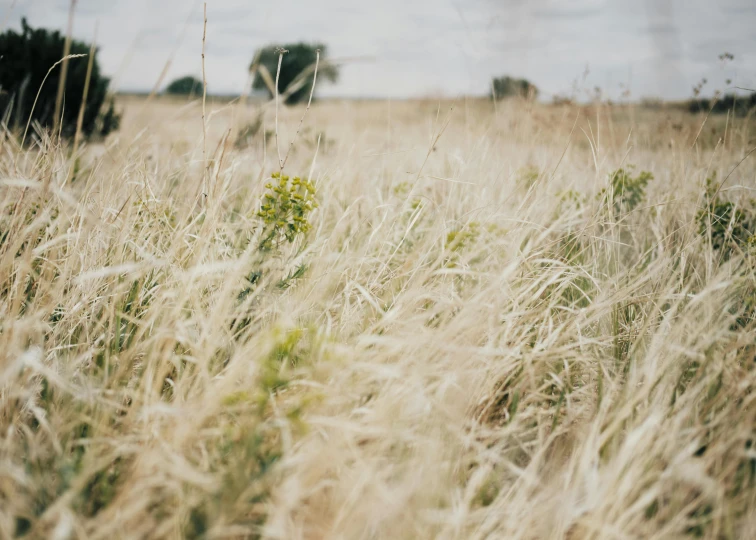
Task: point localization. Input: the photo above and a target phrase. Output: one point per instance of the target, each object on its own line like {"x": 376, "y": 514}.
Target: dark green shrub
{"x": 185, "y": 86}
{"x": 26, "y": 58}
{"x": 731, "y": 227}
{"x": 110, "y": 121}
{"x": 627, "y": 192}
{"x": 298, "y": 58}
{"x": 503, "y": 87}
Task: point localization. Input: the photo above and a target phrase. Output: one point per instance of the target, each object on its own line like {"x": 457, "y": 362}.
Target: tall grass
{"x": 475, "y": 332}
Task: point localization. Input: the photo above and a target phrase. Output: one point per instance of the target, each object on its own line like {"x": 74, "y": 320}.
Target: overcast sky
{"x": 659, "y": 48}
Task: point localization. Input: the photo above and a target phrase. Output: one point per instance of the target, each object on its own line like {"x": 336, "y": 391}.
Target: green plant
{"x": 26, "y": 59}
{"x": 570, "y": 200}
{"x": 458, "y": 240}
{"x": 731, "y": 227}
{"x": 527, "y": 177}
{"x": 297, "y": 66}
{"x": 285, "y": 209}
{"x": 626, "y": 191}
{"x": 249, "y": 444}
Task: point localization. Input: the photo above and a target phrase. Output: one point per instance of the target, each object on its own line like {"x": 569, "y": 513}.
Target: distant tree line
{"x": 295, "y": 78}
{"x": 738, "y": 105}
{"x": 27, "y": 59}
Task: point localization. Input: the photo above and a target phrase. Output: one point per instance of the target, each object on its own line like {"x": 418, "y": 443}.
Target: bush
{"x": 503, "y": 87}
{"x": 731, "y": 227}
{"x": 298, "y": 58}
{"x": 185, "y": 86}
{"x": 25, "y": 59}
{"x": 627, "y": 192}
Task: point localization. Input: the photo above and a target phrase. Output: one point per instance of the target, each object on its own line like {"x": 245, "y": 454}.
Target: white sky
{"x": 661, "y": 48}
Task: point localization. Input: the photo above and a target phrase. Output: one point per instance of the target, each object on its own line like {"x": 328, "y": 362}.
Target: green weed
{"x": 285, "y": 210}
{"x": 626, "y": 191}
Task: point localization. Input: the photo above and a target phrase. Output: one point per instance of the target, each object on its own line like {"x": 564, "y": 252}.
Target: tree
{"x": 26, "y": 58}
{"x": 185, "y": 86}
{"x": 297, "y": 69}
{"x": 503, "y": 87}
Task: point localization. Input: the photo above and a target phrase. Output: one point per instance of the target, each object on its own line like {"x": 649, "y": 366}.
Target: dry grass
{"x": 456, "y": 349}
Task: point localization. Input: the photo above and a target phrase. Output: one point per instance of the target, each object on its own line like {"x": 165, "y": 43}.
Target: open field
{"x": 464, "y": 326}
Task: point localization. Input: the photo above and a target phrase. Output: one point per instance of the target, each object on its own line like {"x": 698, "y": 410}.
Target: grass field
{"x": 464, "y": 321}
